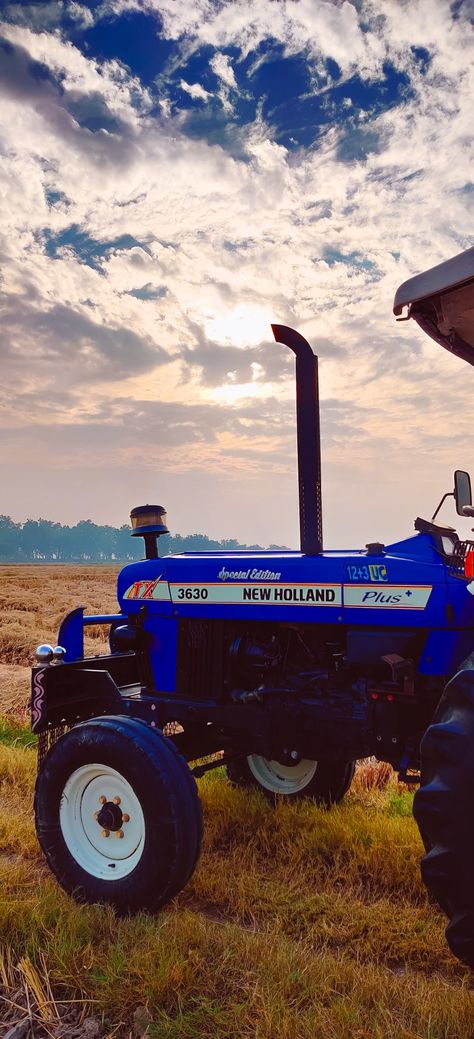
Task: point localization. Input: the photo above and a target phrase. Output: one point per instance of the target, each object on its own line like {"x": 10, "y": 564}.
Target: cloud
{"x": 86, "y": 350}
{"x": 110, "y": 80}
{"x": 220, "y": 64}
{"x": 128, "y": 238}
{"x": 322, "y": 29}
{"x": 222, "y": 68}
{"x": 72, "y": 241}
{"x": 49, "y": 15}
{"x": 195, "y": 90}
{"x": 93, "y": 111}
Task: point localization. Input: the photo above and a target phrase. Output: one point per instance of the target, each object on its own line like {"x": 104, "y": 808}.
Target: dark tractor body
{"x": 291, "y": 664}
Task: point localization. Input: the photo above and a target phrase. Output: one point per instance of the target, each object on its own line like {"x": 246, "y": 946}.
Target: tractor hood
{"x": 441, "y": 301}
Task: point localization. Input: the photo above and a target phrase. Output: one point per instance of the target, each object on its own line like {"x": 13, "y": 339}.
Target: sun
{"x": 244, "y": 325}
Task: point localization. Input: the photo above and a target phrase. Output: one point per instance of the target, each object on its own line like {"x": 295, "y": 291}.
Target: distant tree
{"x": 88, "y": 542}
{"x": 126, "y": 547}
{"x": 9, "y": 539}
{"x": 85, "y": 533}
{"x": 40, "y": 539}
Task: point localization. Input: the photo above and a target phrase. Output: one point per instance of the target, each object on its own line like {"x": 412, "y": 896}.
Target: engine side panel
{"x": 406, "y": 587}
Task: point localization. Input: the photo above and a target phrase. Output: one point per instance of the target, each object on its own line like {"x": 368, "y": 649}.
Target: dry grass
{"x": 33, "y": 601}
{"x": 297, "y": 923}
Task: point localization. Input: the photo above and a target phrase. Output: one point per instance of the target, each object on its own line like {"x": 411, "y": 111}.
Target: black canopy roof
{"x": 441, "y": 300}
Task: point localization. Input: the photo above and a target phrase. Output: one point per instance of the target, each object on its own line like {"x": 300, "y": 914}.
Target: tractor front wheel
{"x": 444, "y": 810}
{"x": 118, "y": 815}
{"x": 325, "y": 782}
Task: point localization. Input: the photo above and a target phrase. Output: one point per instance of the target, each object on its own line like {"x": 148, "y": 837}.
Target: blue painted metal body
{"x": 405, "y": 587}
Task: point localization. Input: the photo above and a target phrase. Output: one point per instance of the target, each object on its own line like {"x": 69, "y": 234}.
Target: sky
{"x": 173, "y": 177}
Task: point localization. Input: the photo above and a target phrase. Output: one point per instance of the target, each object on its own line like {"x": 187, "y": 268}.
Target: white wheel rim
{"x": 282, "y": 779}
{"x": 105, "y": 854}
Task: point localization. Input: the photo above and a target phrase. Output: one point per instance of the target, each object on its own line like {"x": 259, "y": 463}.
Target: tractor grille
{"x": 456, "y": 560}
{"x": 200, "y": 665}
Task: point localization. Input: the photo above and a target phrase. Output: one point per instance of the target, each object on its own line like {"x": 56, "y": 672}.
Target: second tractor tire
{"x": 324, "y": 782}
{"x": 444, "y": 811}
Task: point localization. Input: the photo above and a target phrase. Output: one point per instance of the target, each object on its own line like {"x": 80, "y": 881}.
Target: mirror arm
{"x": 449, "y": 494}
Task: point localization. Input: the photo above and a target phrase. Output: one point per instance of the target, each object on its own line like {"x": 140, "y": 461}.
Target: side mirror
{"x": 463, "y": 493}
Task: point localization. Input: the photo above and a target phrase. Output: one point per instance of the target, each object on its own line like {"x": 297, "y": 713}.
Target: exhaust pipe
{"x": 309, "y": 439}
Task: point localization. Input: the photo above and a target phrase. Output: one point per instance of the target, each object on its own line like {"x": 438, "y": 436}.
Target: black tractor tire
{"x": 115, "y": 777}
{"x": 444, "y": 810}
{"x": 326, "y": 785}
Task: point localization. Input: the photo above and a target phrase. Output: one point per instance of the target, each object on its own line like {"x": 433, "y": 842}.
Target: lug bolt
{"x": 119, "y": 833}
{"x": 126, "y": 817}
{"x": 96, "y": 816}
{"x": 294, "y": 755}
{"x": 116, "y": 800}
{"x": 102, "y": 799}
{"x": 106, "y": 833}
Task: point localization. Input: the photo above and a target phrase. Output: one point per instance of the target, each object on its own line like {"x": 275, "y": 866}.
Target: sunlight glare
{"x": 234, "y": 393}
{"x": 244, "y": 325}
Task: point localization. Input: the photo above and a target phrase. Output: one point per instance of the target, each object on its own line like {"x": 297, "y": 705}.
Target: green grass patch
{"x": 16, "y": 734}
{"x": 400, "y": 803}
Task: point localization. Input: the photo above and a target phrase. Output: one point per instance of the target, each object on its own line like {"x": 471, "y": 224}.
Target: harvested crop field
{"x": 33, "y": 601}
{"x": 297, "y": 923}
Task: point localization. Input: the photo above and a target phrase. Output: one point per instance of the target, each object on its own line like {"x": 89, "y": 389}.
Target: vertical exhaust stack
{"x": 309, "y": 439}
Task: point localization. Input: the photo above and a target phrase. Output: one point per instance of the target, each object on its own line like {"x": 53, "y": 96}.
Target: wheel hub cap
{"x": 110, "y": 817}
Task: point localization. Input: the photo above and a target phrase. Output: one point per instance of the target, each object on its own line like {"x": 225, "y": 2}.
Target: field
{"x": 297, "y": 923}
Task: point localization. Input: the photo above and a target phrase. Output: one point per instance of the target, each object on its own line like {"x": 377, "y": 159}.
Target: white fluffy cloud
{"x": 195, "y": 90}
{"x": 129, "y": 250}
{"x": 49, "y": 14}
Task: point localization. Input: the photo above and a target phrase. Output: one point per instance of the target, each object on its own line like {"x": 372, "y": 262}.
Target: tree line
{"x": 86, "y": 542}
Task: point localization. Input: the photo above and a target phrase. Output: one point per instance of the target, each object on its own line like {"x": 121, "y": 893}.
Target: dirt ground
{"x": 33, "y": 601}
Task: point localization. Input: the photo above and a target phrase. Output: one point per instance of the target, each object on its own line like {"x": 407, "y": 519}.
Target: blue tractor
{"x": 285, "y": 667}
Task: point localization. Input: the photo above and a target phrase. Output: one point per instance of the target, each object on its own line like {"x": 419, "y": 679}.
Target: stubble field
{"x": 297, "y": 923}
